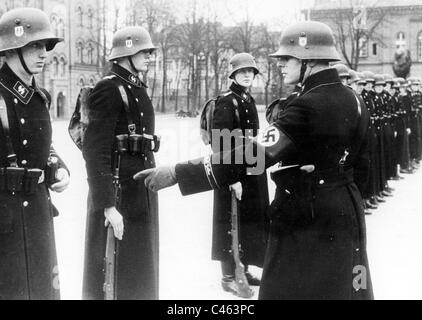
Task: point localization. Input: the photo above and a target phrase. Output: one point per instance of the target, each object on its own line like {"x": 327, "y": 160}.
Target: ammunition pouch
{"x": 136, "y": 144}
{"x": 15, "y": 180}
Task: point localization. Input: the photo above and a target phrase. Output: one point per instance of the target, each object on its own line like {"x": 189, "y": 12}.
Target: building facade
{"x": 74, "y": 62}
{"x": 401, "y": 26}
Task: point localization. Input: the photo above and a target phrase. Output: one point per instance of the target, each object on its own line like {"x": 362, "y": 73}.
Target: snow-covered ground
{"x": 186, "y": 269}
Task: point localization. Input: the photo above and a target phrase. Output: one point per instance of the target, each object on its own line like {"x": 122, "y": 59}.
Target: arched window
{"x": 80, "y": 51}
{"x": 53, "y": 21}
{"x": 80, "y": 15}
{"x": 55, "y": 67}
{"x": 400, "y": 40}
{"x": 420, "y": 46}
{"x": 62, "y": 63}
{"x": 90, "y": 53}
{"x": 90, "y": 19}
{"x": 60, "y": 28}
{"x": 81, "y": 81}
{"x": 91, "y": 82}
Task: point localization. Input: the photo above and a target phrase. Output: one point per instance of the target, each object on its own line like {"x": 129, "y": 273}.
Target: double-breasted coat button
{"x": 25, "y": 204}
{"x": 25, "y": 142}
{"x": 321, "y": 182}
{"x": 22, "y": 120}
{"x": 130, "y": 87}
{"x": 15, "y": 101}
{"x": 24, "y": 162}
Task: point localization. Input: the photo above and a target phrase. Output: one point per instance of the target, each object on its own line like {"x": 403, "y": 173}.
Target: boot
{"x": 373, "y": 200}
{"x": 252, "y": 280}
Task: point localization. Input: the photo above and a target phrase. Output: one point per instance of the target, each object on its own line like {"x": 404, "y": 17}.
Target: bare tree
{"x": 353, "y": 35}
{"x": 270, "y": 74}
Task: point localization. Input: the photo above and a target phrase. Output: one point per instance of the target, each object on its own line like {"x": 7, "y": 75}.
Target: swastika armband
{"x": 275, "y": 144}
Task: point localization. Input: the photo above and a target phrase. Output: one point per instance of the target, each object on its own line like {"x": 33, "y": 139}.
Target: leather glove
{"x": 157, "y": 178}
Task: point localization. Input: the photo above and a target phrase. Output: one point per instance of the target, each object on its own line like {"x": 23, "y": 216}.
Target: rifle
{"x": 243, "y": 289}
{"x": 110, "y": 259}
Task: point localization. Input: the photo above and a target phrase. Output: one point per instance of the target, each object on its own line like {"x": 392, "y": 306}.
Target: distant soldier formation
{"x": 395, "y": 135}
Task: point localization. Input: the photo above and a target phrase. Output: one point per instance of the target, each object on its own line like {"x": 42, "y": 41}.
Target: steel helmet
{"x": 399, "y": 82}
{"x": 342, "y": 70}
{"x": 388, "y": 78}
{"x": 354, "y": 76}
{"x": 361, "y": 78}
{"x": 21, "y": 26}
{"x": 413, "y": 81}
{"x": 129, "y": 41}
{"x": 308, "y": 40}
{"x": 379, "y": 79}
{"x": 241, "y": 61}
{"x": 369, "y": 76}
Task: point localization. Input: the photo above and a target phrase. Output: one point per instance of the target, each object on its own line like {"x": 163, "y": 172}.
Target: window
{"x": 400, "y": 40}
{"x": 53, "y": 21}
{"x": 92, "y": 82}
{"x": 81, "y": 81}
{"x": 90, "y": 53}
{"x": 55, "y": 67}
{"x": 374, "y": 49}
{"x": 80, "y": 16}
{"x": 62, "y": 64}
{"x": 60, "y": 28}
{"x": 90, "y": 18}
{"x": 363, "y": 47}
{"x": 420, "y": 46}
{"x": 80, "y": 51}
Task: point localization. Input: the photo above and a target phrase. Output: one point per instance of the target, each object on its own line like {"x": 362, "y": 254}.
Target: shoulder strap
{"x": 123, "y": 93}
{"x": 235, "y": 104}
{"x": 11, "y": 155}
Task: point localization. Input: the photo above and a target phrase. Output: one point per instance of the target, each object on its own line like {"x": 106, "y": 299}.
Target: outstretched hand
{"x": 157, "y": 178}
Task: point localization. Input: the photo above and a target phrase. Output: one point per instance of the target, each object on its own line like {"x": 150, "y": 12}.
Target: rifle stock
{"x": 110, "y": 259}
{"x": 242, "y": 284}
{"x": 110, "y": 264}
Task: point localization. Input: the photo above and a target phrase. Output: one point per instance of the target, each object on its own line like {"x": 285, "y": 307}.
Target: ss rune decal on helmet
{"x": 269, "y": 137}
{"x": 303, "y": 39}
{"x": 129, "y": 43}
{"x": 19, "y": 31}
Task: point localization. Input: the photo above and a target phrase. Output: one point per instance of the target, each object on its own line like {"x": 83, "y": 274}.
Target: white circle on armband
{"x": 269, "y": 137}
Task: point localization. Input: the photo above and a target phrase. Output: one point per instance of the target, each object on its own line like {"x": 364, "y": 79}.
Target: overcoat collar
{"x": 127, "y": 76}
{"x": 324, "y": 77}
{"x": 11, "y": 82}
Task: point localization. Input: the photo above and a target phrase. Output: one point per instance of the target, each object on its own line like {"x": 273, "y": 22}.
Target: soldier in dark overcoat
{"x": 28, "y": 260}
{"x": 317, "y": 243}
{"x": 237, "y": 110}
{"x": 415, "y": 138}
{"x": 135, "y": 217}
{"x": 373, "y": 187}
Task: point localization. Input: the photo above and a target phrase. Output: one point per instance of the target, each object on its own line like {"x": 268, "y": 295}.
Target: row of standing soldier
{"x": 395, "y": 128}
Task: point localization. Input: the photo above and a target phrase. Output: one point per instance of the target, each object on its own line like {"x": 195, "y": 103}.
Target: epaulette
{"x": 227, "y": 93}
{"x": 109, "y": 77}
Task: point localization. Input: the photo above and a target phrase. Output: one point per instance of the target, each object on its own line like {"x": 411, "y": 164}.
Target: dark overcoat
{"x": 415, "y": 137}
{"x": 137, "y": 263}
{"x": 317, "y": 243}
{"x": 28, "y": 261}
{"x": 253, "y": 220}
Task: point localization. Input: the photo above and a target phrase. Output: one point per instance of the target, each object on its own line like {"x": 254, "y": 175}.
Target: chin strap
{"x": 302, "y": 72}
{"x": 22, "y": 60}
{"x": 133, "y": 65}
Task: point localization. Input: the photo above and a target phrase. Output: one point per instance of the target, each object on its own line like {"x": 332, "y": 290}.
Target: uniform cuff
{"x": 102, "y": 192}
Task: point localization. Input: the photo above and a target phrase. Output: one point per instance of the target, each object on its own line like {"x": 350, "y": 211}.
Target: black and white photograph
{"x": 210, "y": 150}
